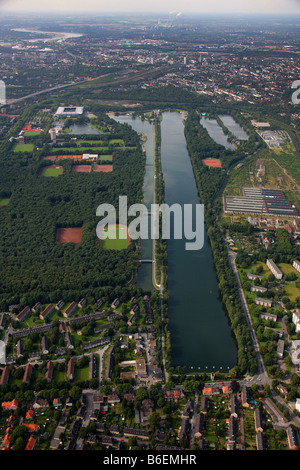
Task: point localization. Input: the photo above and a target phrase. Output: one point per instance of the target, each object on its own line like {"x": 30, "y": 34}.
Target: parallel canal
{"x": 200, "y": 333}
{"x": 144, "y": 278}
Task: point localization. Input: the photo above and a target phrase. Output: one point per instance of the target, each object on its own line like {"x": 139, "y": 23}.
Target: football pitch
{"x": 113, "y": 240}
{"x": 4, "y": 202}
{"x": 24, "y": 148}
{"x": 52, "y": 171}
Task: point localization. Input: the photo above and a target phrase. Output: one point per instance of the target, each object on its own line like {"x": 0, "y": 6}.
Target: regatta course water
{"x": 200, "y": 332}
{"x": 144, "y": 277}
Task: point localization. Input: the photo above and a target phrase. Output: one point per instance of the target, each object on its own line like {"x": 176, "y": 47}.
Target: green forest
{"x": 33, "y": 266}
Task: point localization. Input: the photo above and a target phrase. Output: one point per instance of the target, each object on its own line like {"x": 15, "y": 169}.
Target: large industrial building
{"x": 271, "y": 202}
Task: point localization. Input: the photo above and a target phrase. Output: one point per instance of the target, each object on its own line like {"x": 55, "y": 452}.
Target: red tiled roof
{"x": 30, "y": 443}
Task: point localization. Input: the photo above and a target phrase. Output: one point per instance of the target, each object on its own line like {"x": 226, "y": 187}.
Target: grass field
{"x": 116, "y": 141}
{"x": 104, "y": 158}
{"x": 113, "y": 240}
{"x": 83, "y": 149}
{"x": 52, "y": 171}
{"x": 32, "y": 133}
{"x": 292, "y": 291}
{"x": 4, "y": 202}
{"x": 24, "y": 148}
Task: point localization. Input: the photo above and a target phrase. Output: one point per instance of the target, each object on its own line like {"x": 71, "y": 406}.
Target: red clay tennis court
{"x": 69, "y": 157}
{"x": 51, "y": 158}
{"x": 81, "y": 169}
{"x": 66, "y": 235}
{"x": 212, "y": 162}
{"x": 103, "y": 168}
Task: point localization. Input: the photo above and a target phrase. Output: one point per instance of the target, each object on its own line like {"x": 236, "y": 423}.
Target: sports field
{"x": 24, "y": 148}
{"x": 113, "y": 240}
{"x": 103, "y": 168}
{"x": 81, "y": 169}
{"x": 53, "y": 171}
{"x": 4, "y": 202}
{"x": 32, "y": 133}
{"x": 51, "y": 158}
{"x": 105, "y": 158}
{"x": 212, "y": 162}
{"x": 66, "y": 235}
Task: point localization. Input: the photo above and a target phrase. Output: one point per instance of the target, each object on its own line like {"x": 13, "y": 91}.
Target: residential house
{"x": 70, "y": 309}
{"x": 292, "y": 439}
{"x": 20, "y": 348}
{"x": 40, "y": 404}
{"x": 110, "y": 363}
{"x": 49, "y": 372}
{"x": 268, "y": 316}
{"x": 36, "y": 307}
{"x": 184, "y": 428}
{"x": 45, "y": 349}
{"x": 245, "y": 397}
{"x": 198, "y": 425}
{"x": 204, "y": 405}
{"x": 263, "y": 302}
{"x": 30, "y": 443}
{"x": 296, "y": 265}
{"x": 71, "y": 368}
{"x": 280, "y": 348}
{"x": 68, "y": 340}
{"x": 26, "y": 376}
{"x": 81, "y": 303}
{"x": 253, "y": 277}
{"x": 115, "y": 303}
{"x": 139, "y": 433}
{"x": 46, "y": 312}
{"x": 260, "y": 442}
{"x": 209, "y": 391}
{"x": 10, "y": 405}
{"x": 2, "y": 321}
{"x": 233, "y": 406}
{"x": 258, "y": 420}
{"x": 23, "y": 314}
{"x": 296, "y": 319}
{"x": 274, "y": 269}
{"x": 260, "y": 289}
{"x": 59, "y": 305}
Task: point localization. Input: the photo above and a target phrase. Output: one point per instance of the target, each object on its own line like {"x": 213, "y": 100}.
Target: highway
{"x": 130, "y": 76}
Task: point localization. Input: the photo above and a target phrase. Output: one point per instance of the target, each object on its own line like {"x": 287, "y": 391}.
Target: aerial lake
{"x": 234, "y": 127}
{"x": 216, "y": 132}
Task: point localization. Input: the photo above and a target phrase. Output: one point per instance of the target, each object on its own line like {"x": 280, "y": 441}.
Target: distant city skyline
{"x": 155, "y": 6}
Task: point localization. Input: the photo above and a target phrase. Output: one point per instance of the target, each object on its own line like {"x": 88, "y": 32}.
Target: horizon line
{"x": 154, "y": 13}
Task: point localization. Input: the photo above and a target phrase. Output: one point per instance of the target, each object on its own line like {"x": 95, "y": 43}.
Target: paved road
{"x": 110, "y": 81}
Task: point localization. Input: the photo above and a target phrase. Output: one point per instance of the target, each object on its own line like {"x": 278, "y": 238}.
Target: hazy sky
{"x": 200, "y": 6}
